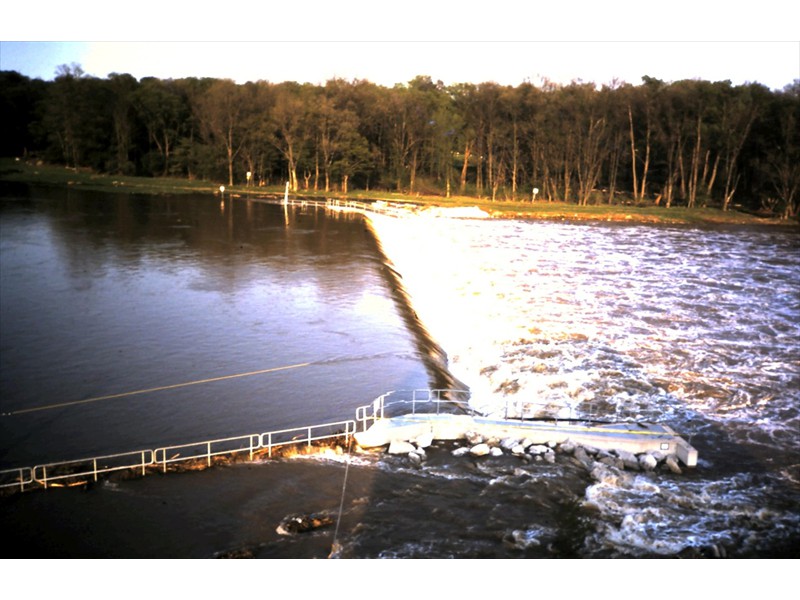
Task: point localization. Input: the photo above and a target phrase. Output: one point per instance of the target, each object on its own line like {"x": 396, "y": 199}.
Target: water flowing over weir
{"x": 432, "y": 354}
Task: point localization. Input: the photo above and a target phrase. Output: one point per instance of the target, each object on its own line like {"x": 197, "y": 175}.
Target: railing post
{"x": 94, "y": 465}
{"x": 143, "y": 465}
{"x": 208, "y": 457}
{"x": 44, "y": 477}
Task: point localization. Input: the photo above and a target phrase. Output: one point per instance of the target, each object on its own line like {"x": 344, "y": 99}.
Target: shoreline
{"x": 16, "y": 171}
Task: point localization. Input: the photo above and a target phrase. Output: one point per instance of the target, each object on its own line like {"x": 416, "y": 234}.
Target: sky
{"x": 390, "y": 43}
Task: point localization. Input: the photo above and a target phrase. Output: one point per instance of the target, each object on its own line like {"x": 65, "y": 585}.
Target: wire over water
{"x": 155, "y": 389}
{"x": 323, "y": 361}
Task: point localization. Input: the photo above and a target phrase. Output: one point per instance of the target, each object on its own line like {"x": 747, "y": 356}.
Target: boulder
{"x": 672, "y": 464}
{"x": 415, "y": 459}
{"x": 400, "y": 447}
{"x": 496, "y": 451}
{"x": 583, "y": 458}
{"x": 612, "y": 461}
{"x": 550, "y": 457}
{"x": 424, "y": 440}
{"x": 567, "y": 447}
{"x": 462, "y": 451}
{"x": 538, "y": 449}
{"x": 509, "y": 443}
{"x": 518, "y": 450}
{"x": 629, "y": 460}
{"x": 480, "y": 449}
{"x": 473, "y": 438}
{"x": 647, "y": 462}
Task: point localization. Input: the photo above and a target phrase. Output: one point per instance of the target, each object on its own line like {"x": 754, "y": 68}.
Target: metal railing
{"x": 82, "y": 470}
{"x": 427, "y": 401}
{"x": 437, "y": 401}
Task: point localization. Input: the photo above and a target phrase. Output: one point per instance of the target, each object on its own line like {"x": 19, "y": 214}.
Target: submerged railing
{"x": 90, "y": 469}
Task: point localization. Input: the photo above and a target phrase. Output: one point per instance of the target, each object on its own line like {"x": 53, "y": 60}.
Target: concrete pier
{"x": 636, "y": 438}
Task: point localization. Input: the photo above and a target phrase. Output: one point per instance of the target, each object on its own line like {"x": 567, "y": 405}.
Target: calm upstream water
{"x": 104, "y": 295}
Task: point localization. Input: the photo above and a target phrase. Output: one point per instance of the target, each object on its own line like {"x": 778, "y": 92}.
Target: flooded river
{"x": 104, "y": 295}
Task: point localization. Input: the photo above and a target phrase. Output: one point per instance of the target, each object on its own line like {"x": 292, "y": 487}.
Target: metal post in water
{"x": 286, "y": 194}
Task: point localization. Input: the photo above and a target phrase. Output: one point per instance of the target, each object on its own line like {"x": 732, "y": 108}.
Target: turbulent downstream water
{"x": 697, "y": 328}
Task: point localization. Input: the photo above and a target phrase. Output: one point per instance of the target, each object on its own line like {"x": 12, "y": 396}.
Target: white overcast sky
{"x": 392, "y": 42}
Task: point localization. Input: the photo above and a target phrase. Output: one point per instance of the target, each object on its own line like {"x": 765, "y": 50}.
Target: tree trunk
{"x": 514, "y": 165}
{"x": 643, "y": 192}
{"x": 413, "y": 174}
{"x": 633, "y": 156}
{"x": 465, "y": 167}
{"x": 695, "y": 166}
{"x": 316, "y": 172}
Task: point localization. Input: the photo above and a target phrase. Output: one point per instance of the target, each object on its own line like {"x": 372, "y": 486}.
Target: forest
{"x": 690, "y": 143}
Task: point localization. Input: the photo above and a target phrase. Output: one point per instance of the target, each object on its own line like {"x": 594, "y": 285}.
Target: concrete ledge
{"x": 636, "y": 438}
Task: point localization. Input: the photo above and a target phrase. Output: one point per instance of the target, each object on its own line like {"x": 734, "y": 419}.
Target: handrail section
{"x": 51, "y": 473}
{"x": 395, "y": 403}
{"x": 419, "y": 400}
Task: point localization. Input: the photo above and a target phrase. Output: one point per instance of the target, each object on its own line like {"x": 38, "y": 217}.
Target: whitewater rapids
{"x": 695, "y": 328}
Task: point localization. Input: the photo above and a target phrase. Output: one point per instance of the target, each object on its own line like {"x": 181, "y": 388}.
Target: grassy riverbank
{"x": 20, "y": 171}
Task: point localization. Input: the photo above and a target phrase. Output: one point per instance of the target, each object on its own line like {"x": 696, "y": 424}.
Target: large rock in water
{"x": 628, "y": 459}
{"x": 399, "y": 447}
{"x": 480, "y": 450}
{"x": 672, "y": 464}
{"x": 424, "y": 440}
{"x": 473, "y": 438}
{"x": 647, "y": 462}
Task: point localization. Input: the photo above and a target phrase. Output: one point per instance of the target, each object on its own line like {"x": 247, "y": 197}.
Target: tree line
{"x": 690, "y": 143}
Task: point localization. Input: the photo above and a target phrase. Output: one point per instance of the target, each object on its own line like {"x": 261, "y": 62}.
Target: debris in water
{"x": 294, "y": 524}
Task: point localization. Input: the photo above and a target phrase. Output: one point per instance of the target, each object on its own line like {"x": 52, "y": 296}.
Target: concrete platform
{"x": 636, "y": 438}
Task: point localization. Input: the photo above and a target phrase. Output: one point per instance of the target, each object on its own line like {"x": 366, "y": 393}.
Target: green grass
{"x": 38, "y": 173}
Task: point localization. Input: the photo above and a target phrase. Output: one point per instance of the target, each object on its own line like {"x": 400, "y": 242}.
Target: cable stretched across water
{"x": 156, "y": 389}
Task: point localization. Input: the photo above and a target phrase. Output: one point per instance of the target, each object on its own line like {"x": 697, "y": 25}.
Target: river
{"x": 103, "y": 295}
